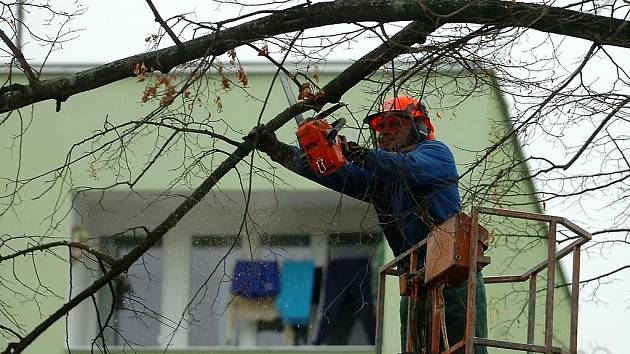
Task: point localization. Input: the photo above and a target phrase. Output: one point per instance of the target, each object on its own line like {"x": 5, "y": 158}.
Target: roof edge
{"x": 334, "y": 66}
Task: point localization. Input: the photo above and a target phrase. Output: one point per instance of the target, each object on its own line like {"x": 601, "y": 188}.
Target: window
{"x": 341, "y": 309}
{"x": 181, "y": 293}
{"x": 210, "y": 290}
{"x": 133, "y": 300}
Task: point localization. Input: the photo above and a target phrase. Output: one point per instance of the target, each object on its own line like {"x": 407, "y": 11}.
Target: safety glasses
{"x": 387, "y": 121}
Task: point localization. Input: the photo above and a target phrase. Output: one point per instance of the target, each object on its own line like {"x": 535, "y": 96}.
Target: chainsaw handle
{"x": 336, "y": 127}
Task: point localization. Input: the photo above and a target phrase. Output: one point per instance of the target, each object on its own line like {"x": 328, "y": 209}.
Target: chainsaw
{"x": 319, "y": 140}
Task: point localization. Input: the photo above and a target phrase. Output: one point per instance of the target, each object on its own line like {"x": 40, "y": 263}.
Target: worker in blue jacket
{"x": 411, "y": 179}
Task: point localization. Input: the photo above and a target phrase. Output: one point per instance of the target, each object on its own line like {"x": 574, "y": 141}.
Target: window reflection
{"x": 291, "y": 293}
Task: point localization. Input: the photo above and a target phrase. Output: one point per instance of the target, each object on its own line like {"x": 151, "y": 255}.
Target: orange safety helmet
{"x": 404, "y": 107}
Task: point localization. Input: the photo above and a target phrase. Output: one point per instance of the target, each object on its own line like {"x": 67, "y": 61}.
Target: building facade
{"x": 181, "y": 293}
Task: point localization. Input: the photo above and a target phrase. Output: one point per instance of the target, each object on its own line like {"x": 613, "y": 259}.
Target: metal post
{"x": 531, "y": 320}
{"x": 412, "y": 325}
{"x": 19, "y": 25}
{"x": 380, "y": 310}
{"x": 575, "y": 298}
{"x": 472, "y": 283}
{"x": 551, "y": 280}
{"x": 435, "y": 319}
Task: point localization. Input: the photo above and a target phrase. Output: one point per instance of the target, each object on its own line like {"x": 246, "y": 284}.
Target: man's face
{"x": 394, "y": 133}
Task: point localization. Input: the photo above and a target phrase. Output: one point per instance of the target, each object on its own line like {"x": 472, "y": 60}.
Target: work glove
{"x": 266, "y": 141}
{"x": 353, "y": 151}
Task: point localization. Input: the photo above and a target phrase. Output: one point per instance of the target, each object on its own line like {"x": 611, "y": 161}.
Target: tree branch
{"x": 599, "y": 29}
{"x": 164, "y": 25}
{"x": 607, "y": 231}
{"x": 4, "y": 328}
{"x": 601, "y": 276}
{"x": 32, "y": 79}
{"x": 100, "y": 255}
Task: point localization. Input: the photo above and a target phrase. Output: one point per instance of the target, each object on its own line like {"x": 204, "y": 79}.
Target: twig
{"x": 20, "y": 57}
{"x": 280, "y": 66}
{"x": 548, "y": 99}
{"x": 609, "y": 231}
{"x": 100, "y": 255}
{"x": 162, "y": 23}
{"x": 4, "y": 328}
{"x": 192, "y": 130}
{"x": 599, "y": 277}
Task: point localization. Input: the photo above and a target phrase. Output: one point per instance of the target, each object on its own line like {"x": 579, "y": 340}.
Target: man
{"x": 411, "y": 180}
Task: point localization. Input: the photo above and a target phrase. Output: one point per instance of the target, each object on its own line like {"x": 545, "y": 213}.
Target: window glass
{"x": 210, "y": 290}
{"x": 340, "y": 305}
{"x": 135, "y": 296}
{"x": 308, "y": 303}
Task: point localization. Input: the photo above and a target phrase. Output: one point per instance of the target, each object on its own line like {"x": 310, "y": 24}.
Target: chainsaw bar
{"x": 299, "y": 119}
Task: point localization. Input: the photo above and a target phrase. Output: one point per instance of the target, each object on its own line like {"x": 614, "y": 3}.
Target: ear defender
{"x": 420, "y": 130}
{"x": 423, "y": 109}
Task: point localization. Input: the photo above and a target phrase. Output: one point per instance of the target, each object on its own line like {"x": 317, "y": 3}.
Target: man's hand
{"x": 265, "y": 140}
{"x": 353, "y": 151}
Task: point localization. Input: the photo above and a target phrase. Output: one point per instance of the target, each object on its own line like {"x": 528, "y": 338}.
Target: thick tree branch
{"x": 399, "y": 44}
{"x": 599, "y": 29}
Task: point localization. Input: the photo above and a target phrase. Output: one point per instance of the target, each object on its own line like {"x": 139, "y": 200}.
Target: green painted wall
{"x": 466, "y": 125}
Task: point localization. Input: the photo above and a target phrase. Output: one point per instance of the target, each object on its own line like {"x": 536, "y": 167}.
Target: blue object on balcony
{"x": 255, "y": 279}
{"x": 296, "y": 292}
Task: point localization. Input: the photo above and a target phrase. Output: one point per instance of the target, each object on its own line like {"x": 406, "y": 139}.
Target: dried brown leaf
{"x": 306, "y": 91}
{"x": 242, "y": 76}
{"x": 232, "y": 54}
{"x": 320, "y": 94}
{"x": 316, "y": 73}
{"x": 264, "y": 51}
{"x": 218, "y": 103}
{"x": 225, "y": 83}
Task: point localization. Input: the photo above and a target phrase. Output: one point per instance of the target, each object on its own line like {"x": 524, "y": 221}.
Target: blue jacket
{"x": 410, "y": 191}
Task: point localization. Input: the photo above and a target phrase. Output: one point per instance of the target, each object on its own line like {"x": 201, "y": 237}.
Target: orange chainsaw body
{"x": 321, "y": 145}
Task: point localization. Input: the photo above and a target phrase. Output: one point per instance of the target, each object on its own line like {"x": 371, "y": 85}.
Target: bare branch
{"x": 599, "y": 29}
{"x": 32, "y": 79}
{"x": 4, "y": 328}
{"x": 100, "y": 255}
{"x": 548, "y": 99}
{"x": 606, "y": 231}
{"x": 164, "y": 25}
{"x": 604, "y": 275}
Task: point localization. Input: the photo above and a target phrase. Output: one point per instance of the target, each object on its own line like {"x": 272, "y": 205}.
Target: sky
{"x": 114, "y": 29}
